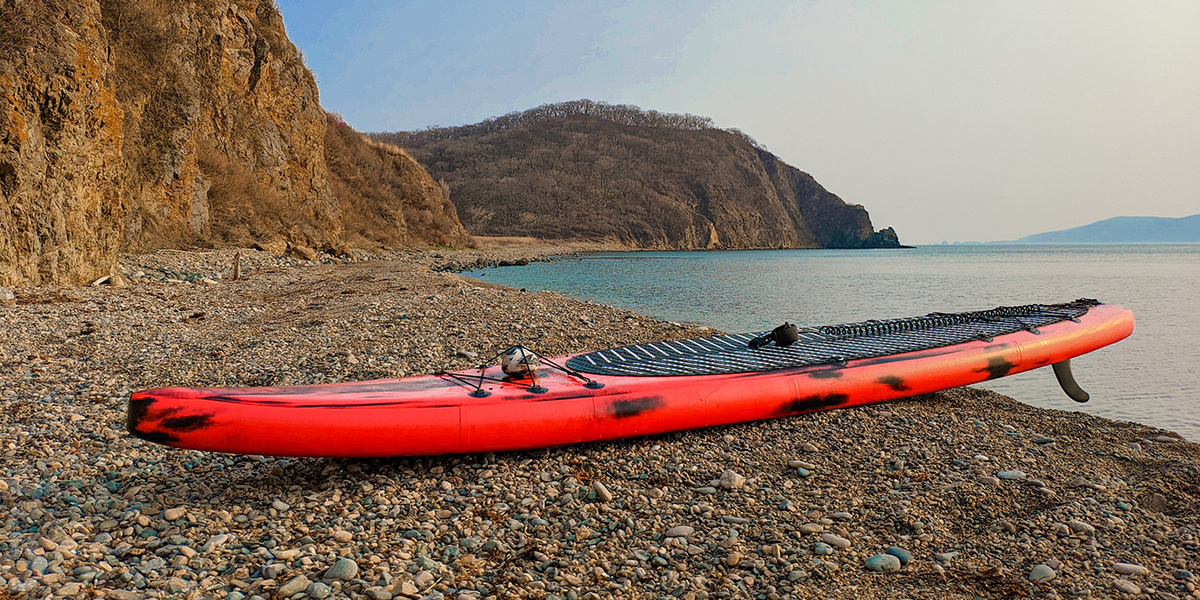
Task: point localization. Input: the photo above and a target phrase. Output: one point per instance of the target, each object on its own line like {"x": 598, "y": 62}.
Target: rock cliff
{"x": 593, "y": 171}
{"x": 62, "y": 175}
{"x": 163, "y": 123}
{"x": 215, "y": 90}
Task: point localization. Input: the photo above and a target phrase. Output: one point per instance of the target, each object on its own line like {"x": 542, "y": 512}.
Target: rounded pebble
{"x": 904, "y": 555}
{"x": 883, "y": 563}
{"x": 1042, "y": 573}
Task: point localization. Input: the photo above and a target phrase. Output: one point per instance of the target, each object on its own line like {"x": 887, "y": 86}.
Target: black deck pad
{"x": 827, "y": 345}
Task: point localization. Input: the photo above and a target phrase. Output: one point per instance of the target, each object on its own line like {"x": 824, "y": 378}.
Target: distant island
{"x": 1123, "y": 230}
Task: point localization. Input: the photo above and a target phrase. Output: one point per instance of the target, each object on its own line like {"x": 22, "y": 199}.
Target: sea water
{"x": 1151, "y": 378}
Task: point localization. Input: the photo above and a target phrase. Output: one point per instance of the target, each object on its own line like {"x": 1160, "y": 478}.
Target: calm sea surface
{"x": 1152, "y": 377}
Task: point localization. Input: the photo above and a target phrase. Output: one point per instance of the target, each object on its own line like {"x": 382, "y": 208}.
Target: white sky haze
{"x": 948, "y": 120}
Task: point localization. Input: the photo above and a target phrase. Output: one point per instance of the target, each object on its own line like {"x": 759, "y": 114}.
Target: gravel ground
{"x": 960, "y": 494}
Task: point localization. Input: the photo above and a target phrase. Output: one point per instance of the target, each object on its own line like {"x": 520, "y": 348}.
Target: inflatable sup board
{"x": 644, "y": 389}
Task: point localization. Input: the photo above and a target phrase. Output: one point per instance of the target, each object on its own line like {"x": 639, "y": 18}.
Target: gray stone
{"x": 904, "y": 555}
{"x": 1012, "y": 475}
{"x": 1182, "y": 575}
{"x": 295, "y": 585}
{"x": 39, "y": 564}
{"x": 1126, "y": 586}
{"x": 822, "y": 549}
{"x": 344, "y": 568}
{"x": 319, "y": 590}
{"x": 602, "y": 492}
{"x": 802, "y": 472}
{"x": 835, "y": 540}
{"x": 280, "y": 505}
{"x": 215, "y": 542}
{"x": 945, "y": 556}
{"x": 1042, "y": 574}
{"x": 378, "y": 593}
{"x": 680, "y": 531}
{"x": 1080, "y": 527}
{"x": 1125, "y": 568}
{"x": 706, "y": 490}
{"x": 883, "y": 563}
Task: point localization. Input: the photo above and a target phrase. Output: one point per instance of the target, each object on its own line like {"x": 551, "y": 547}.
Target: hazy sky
{"x": 948, "y": 120}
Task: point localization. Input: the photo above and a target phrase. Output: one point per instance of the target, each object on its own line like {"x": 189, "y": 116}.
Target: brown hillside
{"x": 591, "y": 171}
{"x": 386, "y": 197}
{"x": 165, "y": 123}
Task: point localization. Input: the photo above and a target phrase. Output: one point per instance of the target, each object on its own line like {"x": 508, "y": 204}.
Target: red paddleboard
{"x": 635, "y": 390}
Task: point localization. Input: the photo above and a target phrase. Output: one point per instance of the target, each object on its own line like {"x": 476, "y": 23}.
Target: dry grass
{"x": 241, "y": 209}
{"x": 386, "y": 197}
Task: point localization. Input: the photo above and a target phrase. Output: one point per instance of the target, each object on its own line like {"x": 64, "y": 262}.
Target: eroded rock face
{"x": 224, "y": 131}
{"x": 167, "y": 123}
{"x": 62, "y": 176}
{"x": 152, "y": 124}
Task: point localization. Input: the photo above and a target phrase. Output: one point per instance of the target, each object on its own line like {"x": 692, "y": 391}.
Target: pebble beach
{"x": 959, "y": 494}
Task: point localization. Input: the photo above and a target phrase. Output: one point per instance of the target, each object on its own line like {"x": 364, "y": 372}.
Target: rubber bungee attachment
{"x": 785, "y": 335}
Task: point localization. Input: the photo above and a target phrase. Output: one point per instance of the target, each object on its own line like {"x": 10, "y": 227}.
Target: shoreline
{"x": 89, "y": 511}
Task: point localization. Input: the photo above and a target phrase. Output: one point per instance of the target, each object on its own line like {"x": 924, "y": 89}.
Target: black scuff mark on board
{"x": 894, "y": 382}
{"x": 187, "y": 424}
{"x": 826, "y": 373}
{"x": 812, "y": 404}
{"x": 624, "y": 409}
{"x": 997, "y": 367}
{"x": 138, "y": 408}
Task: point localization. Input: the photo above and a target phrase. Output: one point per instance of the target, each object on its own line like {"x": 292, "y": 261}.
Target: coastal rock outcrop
{"x": 587, "y": 170}
{"x": 224, "y": 131}
{"x": 62, "y": 174}
{"x": 142, "y": 124}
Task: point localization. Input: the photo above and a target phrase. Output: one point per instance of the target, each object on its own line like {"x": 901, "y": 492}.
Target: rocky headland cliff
{"x": 588, "y": 170}
{"x": 135, "y": 124}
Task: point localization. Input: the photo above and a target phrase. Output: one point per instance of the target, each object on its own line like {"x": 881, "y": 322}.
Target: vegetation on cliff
{"x": 370, "y": 177}
{"x": 588, "y": 170}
